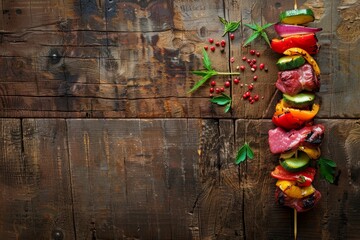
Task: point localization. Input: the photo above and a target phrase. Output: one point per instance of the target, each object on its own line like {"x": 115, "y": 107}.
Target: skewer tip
{"x": 295, "y": 224}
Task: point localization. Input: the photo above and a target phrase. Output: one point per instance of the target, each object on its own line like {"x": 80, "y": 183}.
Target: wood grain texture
{"x": 164, "y": 179}
{"x": 35, "y": 180}
{"x": 133, "y": 177}
{"x": 129, "y": 154}
{"x": 109, "y": 51}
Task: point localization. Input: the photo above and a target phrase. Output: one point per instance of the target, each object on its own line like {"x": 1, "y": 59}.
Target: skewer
{"x": 295, "y": 224}
{"x": 295, "y": 4}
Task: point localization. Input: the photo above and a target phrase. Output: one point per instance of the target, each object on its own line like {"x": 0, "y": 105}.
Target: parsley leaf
{"x": 258, "y": 31}
{"x": 223, "y": 100}
{"x": 327, "y": 169}
{"x": 243, "y": 153}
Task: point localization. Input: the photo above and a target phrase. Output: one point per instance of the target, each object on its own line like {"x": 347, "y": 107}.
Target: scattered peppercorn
{"x": 255, "y": 78}
{"x": 211, "y": 90}
{"x": 211, "y": 40}
{"x": 217, "y": 44}
{"x": 232, "y": 36}
{"x": 244, "y": 58}
{"x": 258, "y": 54}
{"x": 236, "y": 80}
{"x": 252, "y": 52}
{"x": 206, "y": 48}
{"x": 223, "y": 43}
{"x": 213, "y": 83}
{"x": 212, "y": 48}
{"x": 232, "y": 59}
{"x": 261, "y": 66}
{"x": 227, "y": 84}
{"x": 242, "y": 68}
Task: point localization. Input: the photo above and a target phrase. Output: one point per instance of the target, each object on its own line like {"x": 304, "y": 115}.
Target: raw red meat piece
{"x": 281, "y": 141}
{"x": 294, "y": 81}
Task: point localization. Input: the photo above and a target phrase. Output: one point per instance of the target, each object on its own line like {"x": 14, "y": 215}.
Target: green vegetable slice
{"x": 300, "y": 100}
{"x": 297, "y": 16}
{"x": 296, "y": 164}
{"x": 290, "y": 62}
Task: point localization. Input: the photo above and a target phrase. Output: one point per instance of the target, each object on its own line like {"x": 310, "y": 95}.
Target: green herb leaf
{"x": 221, "y": 100}
{"x": 265, "y": 37}
{"x": 229, "y": 26}
{"x": 249, "y": 152}
{"x": 241, "y": 155}
{"x": 203, "y": 80}
{"x": 223, "y": 20}
{"x": 252, "y": 26}
{"x": 259, "y": 31}
{"x": 206, "y": 60}
{"x": 244, "y": 152}
{"x": 327, "y": 169}
{"x": 252, "y": 38}
{"x": 267, "y": 25}
{"x": 200, "y": 73}
{"x": 228, "y": 107}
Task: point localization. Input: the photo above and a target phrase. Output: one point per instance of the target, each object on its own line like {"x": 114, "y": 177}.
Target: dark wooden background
{"x": 100, "y": 140}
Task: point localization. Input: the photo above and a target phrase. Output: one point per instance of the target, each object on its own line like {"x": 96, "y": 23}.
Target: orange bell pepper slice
{"x": 306, "y": 55}
{"x": 304, "y": 115}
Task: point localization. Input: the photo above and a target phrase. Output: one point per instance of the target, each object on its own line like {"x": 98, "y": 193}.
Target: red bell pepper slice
{"x": 303, "y": 178}
{"x": 287, "y": 121}
{"x": 308, "y": 42}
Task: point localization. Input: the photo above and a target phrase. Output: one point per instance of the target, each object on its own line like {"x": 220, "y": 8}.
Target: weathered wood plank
{"x": 35, "y": 180}
{"x": 152, "y": 54}
{"x": 133, "y": 177}
{"x": 141, "y": 178}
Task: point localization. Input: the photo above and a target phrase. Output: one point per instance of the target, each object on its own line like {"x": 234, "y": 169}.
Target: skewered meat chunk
{"x": 281, "y": 141}
{"x": 300, "y": 79}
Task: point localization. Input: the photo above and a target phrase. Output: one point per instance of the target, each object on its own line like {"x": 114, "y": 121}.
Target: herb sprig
{"x": 243, "y": 153}
{"x": 229, "y": 26}
{"x": 222, "y": 100}
{"x": 259, "y": 31}
{"x": 207, "y": 73}
{"x": 327, "y": 169}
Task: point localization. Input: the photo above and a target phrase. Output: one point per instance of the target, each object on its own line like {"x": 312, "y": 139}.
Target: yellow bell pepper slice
{"x": 293, "y": 191}
{"x": 304, "y": 115}
{"x": 312, "y": 152}
{"x": 306, "y": 55}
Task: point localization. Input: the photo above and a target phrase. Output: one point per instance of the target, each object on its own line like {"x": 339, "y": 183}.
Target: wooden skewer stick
{"x": 295, "y": 4}
{"x": 295, "y": 224}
